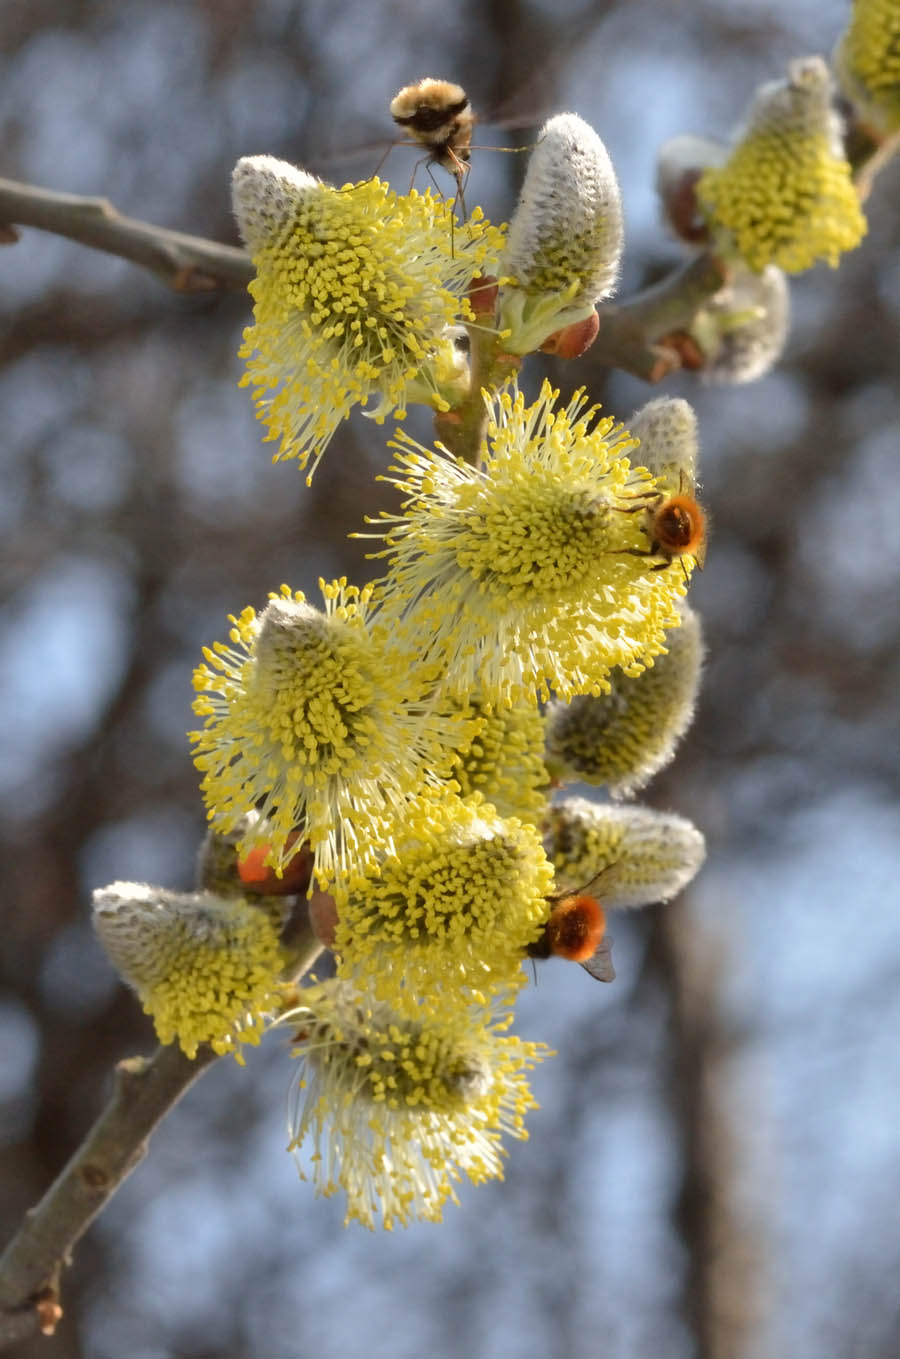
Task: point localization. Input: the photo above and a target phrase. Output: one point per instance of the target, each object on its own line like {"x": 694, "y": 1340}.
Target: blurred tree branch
{"x": 726, "y": 1292}
{"x": 628, "y": 336}
{"x": 184, "y": 263}
{"x": 145, "y": 1090}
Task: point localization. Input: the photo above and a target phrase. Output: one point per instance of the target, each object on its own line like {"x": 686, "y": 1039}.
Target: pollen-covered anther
{"x": 397, "y": 1107}
{"x": 565, "y": 238}
{"x": 457, "y": 906}
{"x": 785, "y": 196}
{"x": 356, "y": 294}
{"x": 533, "y": 570}
{"x": 867, "y": 64}
{"x": 204, "y": 967}
{"x": 504, "y": 762}
{"x": 312, "y": 721}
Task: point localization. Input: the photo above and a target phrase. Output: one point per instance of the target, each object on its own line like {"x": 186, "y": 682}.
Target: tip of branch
{"x": 190, "y": 279}
{"x": 665, "y": 361}
{"x": 48, "y": 1311}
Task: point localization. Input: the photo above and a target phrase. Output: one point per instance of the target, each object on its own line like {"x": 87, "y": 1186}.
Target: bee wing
{"x": 600, "y": 884}
{"x": 364, "y": 151}
{"x": 511, "y": 123}
{"x": 600, "y": 964}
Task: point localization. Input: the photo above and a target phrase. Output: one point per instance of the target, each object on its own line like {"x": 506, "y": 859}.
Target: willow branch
{"x": 628, "y": 332}
{"x": 726, "y": 1286}
{"x": 145, "y": 1090}
{"x": 185, "y": 263}
{"x": 870, "y": 159}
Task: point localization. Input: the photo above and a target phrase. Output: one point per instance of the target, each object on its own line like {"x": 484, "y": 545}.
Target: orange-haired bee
{"x": 678, "y": 529}
{"x": 295, "y": 876}
{"x": 576, "y": 930}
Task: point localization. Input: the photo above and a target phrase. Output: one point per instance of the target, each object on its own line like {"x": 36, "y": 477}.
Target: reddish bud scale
{"x": 684, "y": 213}
{"x": 449, "y": 420}
{"x": 483, "y": 291}
{"x": 687, "y": 349}
{"x": 323, "y": 917}
{"x": 572, "y": 341}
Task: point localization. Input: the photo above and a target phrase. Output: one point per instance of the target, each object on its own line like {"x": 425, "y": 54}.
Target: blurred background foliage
{"x": 711, "y": 1172}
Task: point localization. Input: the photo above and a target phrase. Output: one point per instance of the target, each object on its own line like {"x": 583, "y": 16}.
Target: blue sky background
{"x": 138, "y": 507}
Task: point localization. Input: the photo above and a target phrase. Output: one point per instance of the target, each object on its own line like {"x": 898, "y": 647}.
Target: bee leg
{"x": 426, "y": 161}
{"x": 381, "y": 162}
{"x": 651, "y": 551}
{"x": 645, "y": 497}
{"x": 368, "y": 180}
{"x": 459, "y": 172}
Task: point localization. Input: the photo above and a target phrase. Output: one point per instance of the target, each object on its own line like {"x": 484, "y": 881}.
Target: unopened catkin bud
{"x": 265, "y": 192}
{"x": 628, "y": 856}
{"x": 741, "y": 331}
{"x": 867, "y": 64}
{"x": 565, "y": 238}
{"x": 621, "y": 739}
{"x": 205, "y": 967}
{"x": 669, "y": 444}
{"x": 785, "y": 196}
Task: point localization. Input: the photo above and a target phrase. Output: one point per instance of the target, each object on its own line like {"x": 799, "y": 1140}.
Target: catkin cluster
{"x": 782, "y": 195}
{"x": 398, "y": 753}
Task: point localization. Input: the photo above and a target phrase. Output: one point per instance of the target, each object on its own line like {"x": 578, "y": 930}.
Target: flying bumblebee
{"x": 438, "y": 116}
